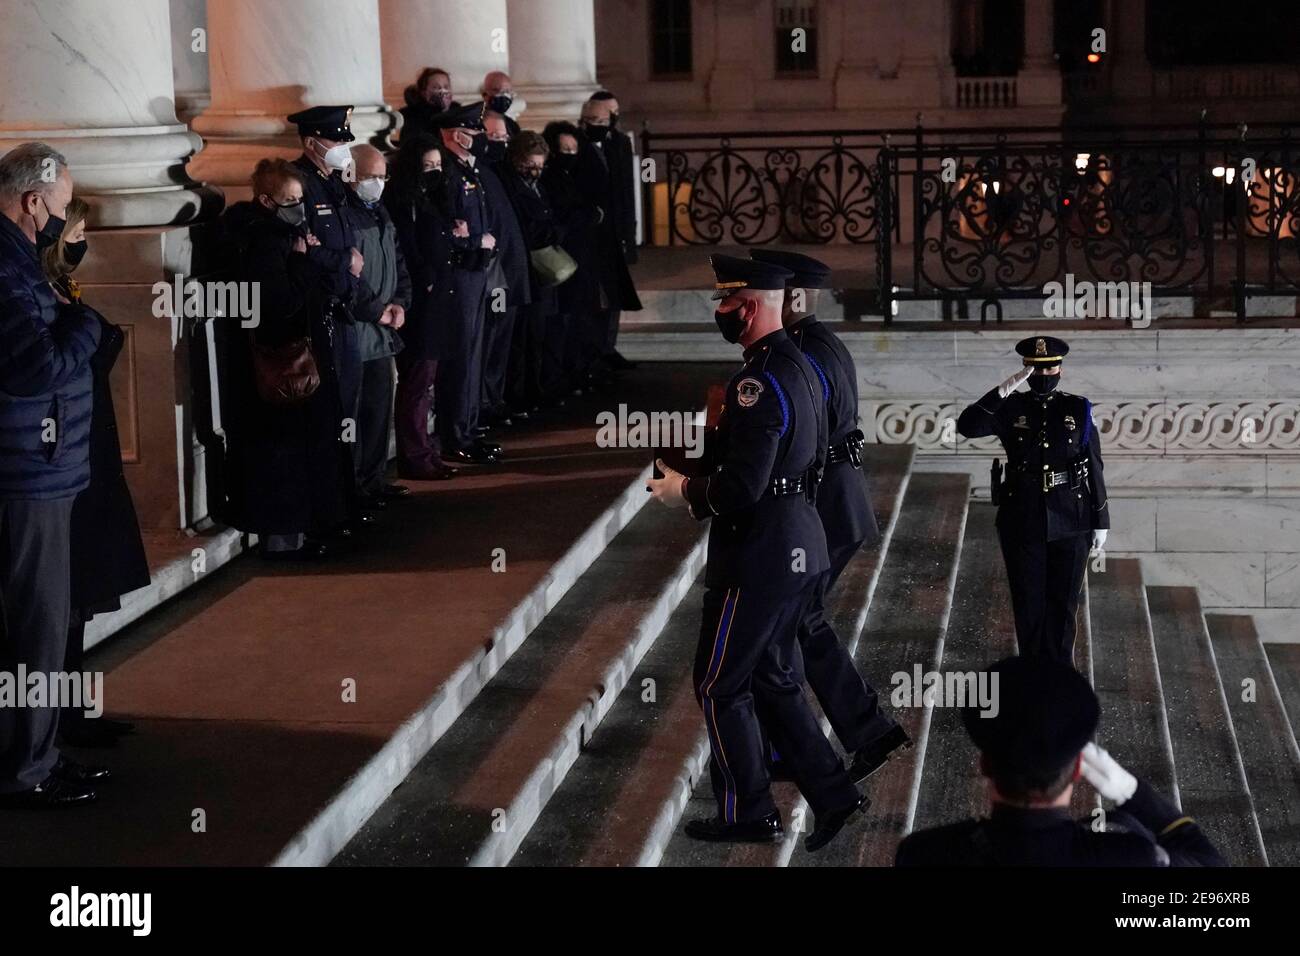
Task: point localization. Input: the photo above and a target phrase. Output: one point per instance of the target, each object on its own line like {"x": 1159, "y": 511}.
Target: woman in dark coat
{"x": 290, "y": 468}
{"x": 575, "y": 217}
{"x": 416, "y": 198}
{"x": 108, "y": 557}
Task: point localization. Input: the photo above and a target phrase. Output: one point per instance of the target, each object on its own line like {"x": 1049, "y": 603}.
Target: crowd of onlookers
{"x": 461, "y": 276}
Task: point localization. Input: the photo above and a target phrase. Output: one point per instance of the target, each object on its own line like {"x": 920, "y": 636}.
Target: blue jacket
{"x": 46, "y": 384}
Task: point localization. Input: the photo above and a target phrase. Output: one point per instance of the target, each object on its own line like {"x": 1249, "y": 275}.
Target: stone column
{"x": 552, "y": 58}
{"x": 95, "y": 82}
{"x": 736, "y": 38}
{"x": 273, "y": 59}
{"x": 190, "y": 57}
{"x": 468, "y": 40}
{"x": 1126, "y": 38}
{"x": 1039, "y": 80}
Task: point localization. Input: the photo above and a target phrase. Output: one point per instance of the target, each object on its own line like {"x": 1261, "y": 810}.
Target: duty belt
{"x": 785, "y": 487}
{"x": 1054, "y": 479}
{"x": 849, "y": 450}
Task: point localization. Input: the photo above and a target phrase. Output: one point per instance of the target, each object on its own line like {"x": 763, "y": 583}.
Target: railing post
{"x": 884, "y": 248}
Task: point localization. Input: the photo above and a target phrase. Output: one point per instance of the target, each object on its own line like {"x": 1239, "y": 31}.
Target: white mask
{"x": 337, "y": 156}
{"x": 369, "y": 190}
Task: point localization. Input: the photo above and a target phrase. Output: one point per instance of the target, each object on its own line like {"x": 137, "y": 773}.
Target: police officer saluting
{"x": 1033, "y": 750}
{"x": 766, "y": 555}
{"x": 1052, "y": 501}
{"x": 844, "y": 504}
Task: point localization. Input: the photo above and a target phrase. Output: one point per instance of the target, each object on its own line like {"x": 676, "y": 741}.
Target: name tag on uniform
{"x": 324, "y": 210}
{"x": 1021, "y": 423}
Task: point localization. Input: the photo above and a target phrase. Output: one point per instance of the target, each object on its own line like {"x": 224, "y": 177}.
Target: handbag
{"x": 285, "y": 374}
{"x": 554, "y": 266}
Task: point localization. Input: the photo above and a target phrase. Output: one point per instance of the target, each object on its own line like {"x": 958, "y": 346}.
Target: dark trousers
{"x": 1045, "y": 578}
{"x": 747, "y": 640}
{"x": 416, "y": 447}
{"x": 610, "y": 319}
{"x": 374, "y": 417}
{"x": 525, "y": 387}
{"x": 555, "y": 375}
{"x": 458, "y": 387}
{"x": 35, "y": 581}
{"x": 850, "y": 703}
{"x": 498, "y": 333}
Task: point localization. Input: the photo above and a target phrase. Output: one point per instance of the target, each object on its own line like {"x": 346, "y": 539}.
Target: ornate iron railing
{"x": 1205, "y": 211}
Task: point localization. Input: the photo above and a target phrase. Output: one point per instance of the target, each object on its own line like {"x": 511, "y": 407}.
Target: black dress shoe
{"x": 488, "y": 445}
{"x": 473, "y": 455}
{"x": 435, "y": 471}
{"x": 69, "y": 771}
{"x": 392, "y": 492}
{"x": 374, "y": 502}
{"x": 52, "y": 794}
{"x": 875, "y": 755}
{"x": 766, "y": 830}
{"x": 831, "y": 823}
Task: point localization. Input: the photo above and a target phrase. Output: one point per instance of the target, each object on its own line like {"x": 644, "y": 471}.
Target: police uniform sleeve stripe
{"x": 780, "y": 396}
{"x": 826, "y": 385}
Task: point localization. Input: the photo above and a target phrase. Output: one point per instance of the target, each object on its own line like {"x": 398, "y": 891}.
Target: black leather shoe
{"x": 53, "y": 793}
{"x": 473, "y": 455}
{"x": 393, "y": 492}
{"x": 875, "y": 755}
{"x": 374, "y": 502}
{"x": 489, "y": 446}
{"x": 766, "y": 830}
{"x": 435, "y": 471}
{"x": 831, "y": 823}
{"x": 69, "y": 771}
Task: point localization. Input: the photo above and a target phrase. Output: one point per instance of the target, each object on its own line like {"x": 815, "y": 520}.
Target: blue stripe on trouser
{"x": 708, "y": 706}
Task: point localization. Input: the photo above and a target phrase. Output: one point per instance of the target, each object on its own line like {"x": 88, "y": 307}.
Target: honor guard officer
{"x": 766, "y": 554}
{"x": 844, "y": 503}
{"x": 460, "y": 371}
{"x": 1052, "y": 500}
{"x": 1033, "y": 750}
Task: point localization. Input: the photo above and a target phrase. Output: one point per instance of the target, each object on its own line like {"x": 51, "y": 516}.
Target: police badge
{"x": 1021, "y": 422}
{"x": 1069, "y": 422}
{"x": 747, "y": 392}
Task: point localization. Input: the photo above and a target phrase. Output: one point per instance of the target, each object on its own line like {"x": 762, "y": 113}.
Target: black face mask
{"x": 49, "y": 234}
{"x": 731, "y": 324}
{"x": 74, "y": 252}
{"x": 567, "y": 162}
{"x": 478, "y": 146}
{"x": 433, "y": 181}
{"x": 496, "y": 151}
{"x": 501, "y": 102}
{"x": 595, "y": 133}
{"x": 1042, "y": 384}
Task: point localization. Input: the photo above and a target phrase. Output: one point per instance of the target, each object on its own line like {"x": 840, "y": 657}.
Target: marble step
{"x": 981, "y": 630}
{"x": 1134, "y": 726}
{"x": 1285, "y": 662}
{"x": 1268, "y": 749}
{"x": 1211, "y": 779}
{"x": 622, "y": 801}
{"x": 474, "y": 796}
{"x": 905, "y": 626}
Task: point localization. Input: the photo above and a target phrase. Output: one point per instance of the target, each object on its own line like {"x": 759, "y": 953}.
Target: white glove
{"x": 668, "y": 489}
{"x": 1099, "y": 539}
{"x": 1106, "y": 775}
{"x": 1015, "y": 381}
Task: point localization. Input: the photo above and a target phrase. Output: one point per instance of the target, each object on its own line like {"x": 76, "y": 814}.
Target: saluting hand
{"x": 1106, "y": 775}
{"x": 1015, "y": 381}
{"x": 670, "y": 489}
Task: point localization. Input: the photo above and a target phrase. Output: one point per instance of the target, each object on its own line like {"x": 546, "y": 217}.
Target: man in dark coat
{"x": 605, "y": 170}
{"x": 850, "y": 703}
{"x": 45, "y": 413}
{"x": 509, "y": 289}
{"x": 379, "y": 311}
{"x": 1034, "y": 746}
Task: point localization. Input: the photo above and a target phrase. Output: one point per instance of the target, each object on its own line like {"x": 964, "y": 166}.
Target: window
{"x": 670, "y": 37}
{"x": 796, "y": 37}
